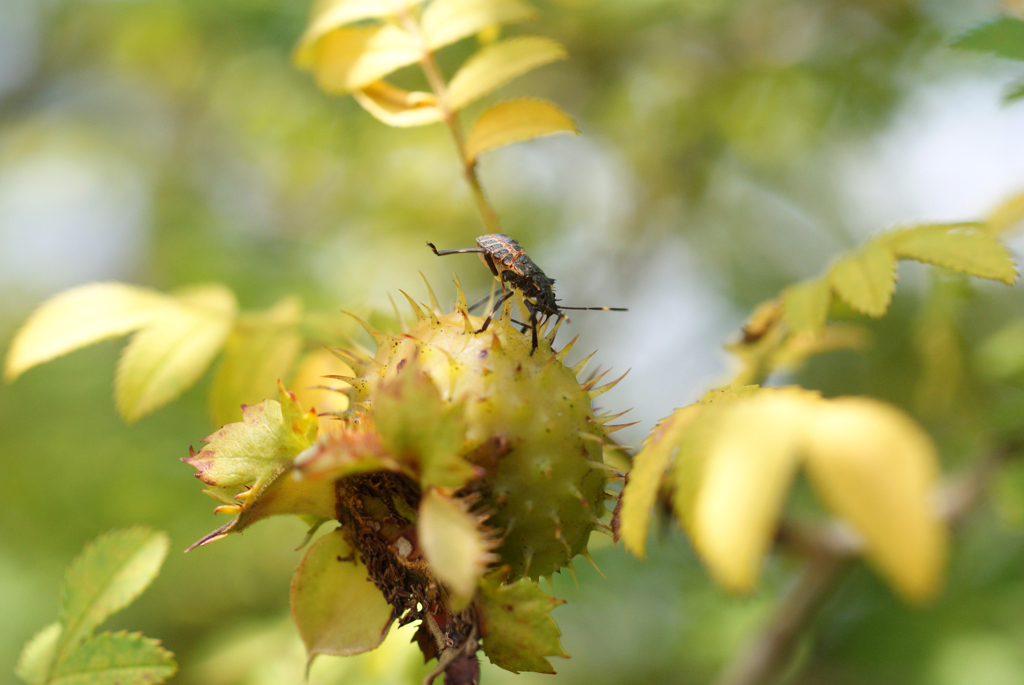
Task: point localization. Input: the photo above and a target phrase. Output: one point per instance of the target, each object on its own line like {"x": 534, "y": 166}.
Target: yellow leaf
{"x": 258, "y": 353}
{"x": 866, "y": 279}
{"x": 877, "y": 469}
{"x": 398, "y": 107}
{"x": 1006, "y": 216}
{"x": 514, "y": 121}
{"x": 310, "y": 384}
{"x": 447, "y": 21}
{"x": 351, "y": 58}
{"x": 750, "y": 460}
{"x": 336, "y": 607}
{"x": 967, "y": 248}
{"x": 79, "y": 317}
{"x": 806, "y": 306}
{"x": 173, "y": 350}
{"x": 453, "y": 544}
{"x": 643, "y": 482}
{"x": 499, "y": 63}
{"x": 328, "y": 15}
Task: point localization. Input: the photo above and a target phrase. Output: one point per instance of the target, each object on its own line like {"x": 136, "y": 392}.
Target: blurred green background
{"x": 729, "y": 148}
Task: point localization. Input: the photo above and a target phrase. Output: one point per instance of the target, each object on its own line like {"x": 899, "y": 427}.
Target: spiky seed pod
{"x": 529, "y": 428}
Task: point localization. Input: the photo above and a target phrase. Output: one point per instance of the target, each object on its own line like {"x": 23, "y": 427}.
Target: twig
{"x": 831, "y": 551}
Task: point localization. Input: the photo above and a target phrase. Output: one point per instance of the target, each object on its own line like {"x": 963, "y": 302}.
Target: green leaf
{"x": 1003, "y": 38}
{"x": 866, "y": 279}
{"x": 499, "y": 63}
{"x": 455, "y": 547}
{"x": 967, "y": 248}
{"x": 447, "y": 21}
{"x": 806, "y": 306}
{"x": 173, "y": 350}
{"x": 79, "y": 317}
{"x": 422, "y": 430}
{"x": 36, "y": 660}
{"x": 516, "y": 627}
{"x": 111, "y": 572}
{"x": 351, "y": 58}
{"x": 874, "y": 467}
{"x": 258, "y": 353}
{"x": 115, "y": 659}
{"x": 336, "y": 607}
{"x": 643, "y": 482}
{"x": 514, "y": 121}
{"x": 328, "y": 15}
{"x": 398, "y": 107}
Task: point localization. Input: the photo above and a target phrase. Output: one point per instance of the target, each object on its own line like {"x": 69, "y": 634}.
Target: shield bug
{"x": 509, "y": 263}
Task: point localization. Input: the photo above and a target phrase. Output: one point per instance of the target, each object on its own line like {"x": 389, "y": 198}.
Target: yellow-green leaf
{"x": 351, "y": 58}
{"x": 173, "y": 350}
{"x": 499, "y": 63}
{"x": 111, "y": 572}
{"x": 258, "y": 352}
{"x": 806, "y": 306}
{"x": 336, "y": 607}
{"x": 967, "y": 248}
{"x": 456, "y": 549}
{"x": 328, "y": 15}
{"x": 643, "y": 482}
{"x": 866, "y": 279}
{"x": 1006, "y": 216}
{"x": 421, "y": 429}
{"x": 447, "y": 21}
{"x": 514, "y": 121}
{"x": 79, "y": 317}
{"x": 875, "y": 468}
{"x": 751, "y": 455}
{"x": 36, "y": 660}
{"x": 398, "y": 107}
{"x": 115, "y": 659}
{"x": 516, "y": 627}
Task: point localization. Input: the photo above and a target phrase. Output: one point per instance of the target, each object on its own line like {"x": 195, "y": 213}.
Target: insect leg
{"x": 497, "y": 305}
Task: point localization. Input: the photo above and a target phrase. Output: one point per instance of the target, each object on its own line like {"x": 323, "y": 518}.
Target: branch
{"x": 831, "y": 550}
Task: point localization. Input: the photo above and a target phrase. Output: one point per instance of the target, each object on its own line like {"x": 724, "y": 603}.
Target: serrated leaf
{"x": 962, "y": 247}
{"x": 514, "y": 121}
{"x": 37, "y": 655}
{"x": 111, "y": 572}
{"x": 258, "y": 352}
{"x": 336, "y": 607}
{"x": 173, "y": 350}
{"x": 806, "y": 306}
{"x": 499, "y": 63}
{"x": 797, "y": 347}
{"x": 447, "y": 21}
{"x": 115, "y": 659}
{"x": 351, "y": 58}
{"x": 866, "y": 279}
{"x": 748, "y": 463}
{"x": 328, "y": 15}
{"x": 398, "y": 107}
{"x": 876, "y": 469}
{"x": 516, "y": 627}
{"x": 1003, "y": 37}
{"x": 455, "y": 547}
{"x": 644, "y": 480}
{"x": 79, "y": 317}
{"x": 420, "y": 429}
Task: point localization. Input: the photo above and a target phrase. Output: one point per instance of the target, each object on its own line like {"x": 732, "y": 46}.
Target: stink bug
{"x": 509, "y": 263}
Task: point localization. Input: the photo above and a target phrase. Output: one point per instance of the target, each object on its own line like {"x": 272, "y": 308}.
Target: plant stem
{"x": 450, "y": 117}
{"x": 830, "y": 551}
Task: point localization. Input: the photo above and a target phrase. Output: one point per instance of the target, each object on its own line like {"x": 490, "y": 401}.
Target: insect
{"x": 509, "y": 263}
